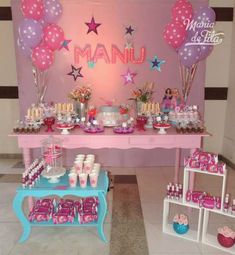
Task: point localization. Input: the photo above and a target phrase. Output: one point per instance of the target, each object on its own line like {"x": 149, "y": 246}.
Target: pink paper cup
{"x": 72, "y": 180}
{"x": 78, "y": 165}
{"x": 93, "y": 179}
{"x": 83, "y": 180}
{"x": 88, "y": 165}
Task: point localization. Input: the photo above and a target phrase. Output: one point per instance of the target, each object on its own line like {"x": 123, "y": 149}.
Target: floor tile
{"x": 159, "y": 242}
{"x": 9, "y": 235}
{"x": 61, "y": 240}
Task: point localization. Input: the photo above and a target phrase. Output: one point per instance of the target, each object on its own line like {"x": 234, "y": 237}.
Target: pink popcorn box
{"x": 208, "y": 202}
{"x": 84, "y": 218}
{"x": 93, "y": 200}
{"x": 203, "y": 166}
{"x": 197, "y": 196}
{"x": 90, "y": 209}
{"x": 62, "y": 218}
{"x": 194, "y": 163}
{"x": 66, "y": 203}
{"x": 212, "y": 168}
{"x": 47, "y": 202}
{"x": 39, "y": 216}
{"x": 221, "y": 167}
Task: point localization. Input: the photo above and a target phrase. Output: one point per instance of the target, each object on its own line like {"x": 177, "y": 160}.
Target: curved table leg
{"x": 17, "y": 207}
{"x": 102, "y": 213}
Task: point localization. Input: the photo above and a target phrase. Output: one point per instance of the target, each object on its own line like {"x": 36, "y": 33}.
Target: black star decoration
{"x": 129, "y": 30}
{"x": 76, "y": 72}
{"x": 155, "y": 63}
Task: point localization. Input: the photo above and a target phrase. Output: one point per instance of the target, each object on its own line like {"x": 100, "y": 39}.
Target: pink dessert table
{"x": 148, "y": 139}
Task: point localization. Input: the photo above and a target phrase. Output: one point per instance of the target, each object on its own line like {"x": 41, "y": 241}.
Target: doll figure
{"x": 166, "y": 101}
{"x": 176, "y": 98}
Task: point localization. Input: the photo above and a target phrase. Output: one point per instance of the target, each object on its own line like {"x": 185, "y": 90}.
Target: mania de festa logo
{"x": 202, "y": 33}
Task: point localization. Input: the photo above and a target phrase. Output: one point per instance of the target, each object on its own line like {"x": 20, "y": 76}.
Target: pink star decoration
{"x": 129, "y": 77}
{"x": 92, "y": 26}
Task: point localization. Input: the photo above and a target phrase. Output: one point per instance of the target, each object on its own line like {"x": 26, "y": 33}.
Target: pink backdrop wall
{"x": 148, "y": 18}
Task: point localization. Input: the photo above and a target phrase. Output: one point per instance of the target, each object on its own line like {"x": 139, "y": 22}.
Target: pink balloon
{"x": 32, "y": 9}
{"x": 174, "y": 34}
{"x": 182, "y": 10}
{"x": 42, "y": 57}
{"x": 53, "y": 36}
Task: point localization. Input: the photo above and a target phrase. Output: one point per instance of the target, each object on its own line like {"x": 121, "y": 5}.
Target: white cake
{"x": 109, "y": 115}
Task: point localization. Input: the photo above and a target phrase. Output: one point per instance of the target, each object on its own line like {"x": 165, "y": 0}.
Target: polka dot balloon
{"x": 30, "y": 31}
{"x": 32, "y": 9}
{"x": 53, "y": 11}
{"x": 42, "y": 57}
{"x": 204, "y": 16}
{"x": 26, "y": 51}
{"x": 181, "y": 11}
{"x": 189, "y": 54}
{"x": 174, "y": 34}
{"x": 53, "y": 36}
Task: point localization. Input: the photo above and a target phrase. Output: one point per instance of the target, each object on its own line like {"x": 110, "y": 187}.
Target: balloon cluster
{"x": 39, "y": 36}
{"x": 178, "y": 35}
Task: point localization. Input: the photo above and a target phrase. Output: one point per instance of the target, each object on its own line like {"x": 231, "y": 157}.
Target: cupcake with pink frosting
{"x": 181, "y": 224}
{"x": 226, "y": 237}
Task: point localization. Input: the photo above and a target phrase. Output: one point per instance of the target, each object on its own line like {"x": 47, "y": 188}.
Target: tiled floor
{"x": 152, "y": 185}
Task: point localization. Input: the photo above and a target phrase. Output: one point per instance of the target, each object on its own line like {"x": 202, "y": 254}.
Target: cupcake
{"x": 180, "y": 224}
{"x": 226, "y": 237}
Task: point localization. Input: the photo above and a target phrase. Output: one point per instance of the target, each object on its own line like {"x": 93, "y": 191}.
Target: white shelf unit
{"x": 212, "y": 239}
{"x": 187, "y": 171}
{"x": 192, "y": 235}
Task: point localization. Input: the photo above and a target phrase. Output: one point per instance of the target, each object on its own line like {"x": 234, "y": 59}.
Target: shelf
{"x": 74, "y": 224}
{"x": 197, "y": 170}
{"x": 180, "y": 202}
{"x": 212, "y": 241}
{"x": 228, "y": 214}
{"x": 193, "y": 235}
{"x": 190, "y": 235}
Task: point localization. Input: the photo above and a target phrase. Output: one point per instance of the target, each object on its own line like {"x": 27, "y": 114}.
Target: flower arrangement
{"x": 143, "y": 94}
{"x": 124, "y": 108}
{"x": 80, "y": 94}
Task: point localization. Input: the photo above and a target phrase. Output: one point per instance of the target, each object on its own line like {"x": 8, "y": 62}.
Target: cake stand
{"x": 53, "y": 174}
{"x": 65, "y": 129}
{"x": 162, "y": 128}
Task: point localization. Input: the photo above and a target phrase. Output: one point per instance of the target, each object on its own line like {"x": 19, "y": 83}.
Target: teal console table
{"x": 44, "y": 188}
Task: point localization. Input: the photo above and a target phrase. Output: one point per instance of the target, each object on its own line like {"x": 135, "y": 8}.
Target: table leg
{"x": 191, "y": 174}
{"x": 177, "y": 164}
{"x": 17, "y": 207}
{"x": 27, "y": 163}
{"x": 102, "y": 213}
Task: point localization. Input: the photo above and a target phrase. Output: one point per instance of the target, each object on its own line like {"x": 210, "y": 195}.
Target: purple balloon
{"x": 53, "y": 11}
{"x": 189, "y": 54}
{"x": 205, "y": 51}
{"x": 203, "y": 19}
{"x": 26, "y": 51}
{"x": 30, "y": 32}
{"x": 43, "y": 22}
